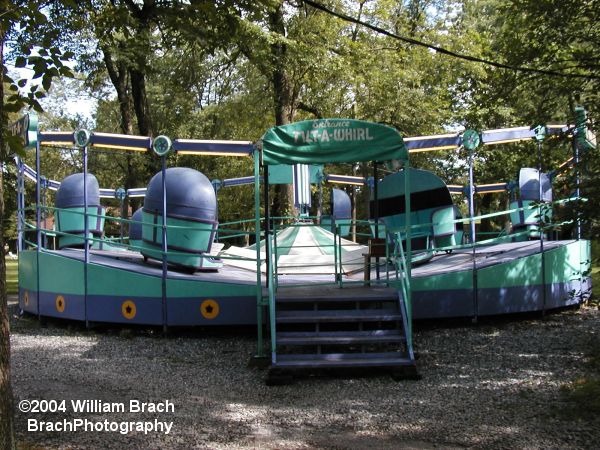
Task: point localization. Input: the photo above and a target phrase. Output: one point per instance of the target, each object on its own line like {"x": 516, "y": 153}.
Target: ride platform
{"x": 119, "y": 287}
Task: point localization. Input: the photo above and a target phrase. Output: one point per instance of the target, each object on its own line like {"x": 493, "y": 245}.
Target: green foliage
{"x": 209, "y": 69}
{"x": 45, "y": 60}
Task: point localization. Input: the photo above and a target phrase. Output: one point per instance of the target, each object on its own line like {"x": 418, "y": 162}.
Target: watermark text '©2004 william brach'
{"x": 95, "y": 407}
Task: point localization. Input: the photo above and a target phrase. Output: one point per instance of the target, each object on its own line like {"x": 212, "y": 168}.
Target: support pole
{"x": 473, "y": 234}
{"x": 540, "y": 135}
{"x": 267, "y": 224}
{"x": 38, "y": 233}
{"x": 576, "y": 161}
{"x": 376, "y": 212}
{"x": 44, "y": 214}
{"x": 320, "y": 199}
{"x": 20, "y": 205}
{"x": 470, "y": 141}
{"x": 472, "y": 198}
{"x": 86, "y": 230}
{"x": 260, "y": 351}
{"x": 164, "y": 243}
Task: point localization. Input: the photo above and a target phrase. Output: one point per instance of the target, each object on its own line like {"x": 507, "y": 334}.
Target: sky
{"x": 67, "y": 97}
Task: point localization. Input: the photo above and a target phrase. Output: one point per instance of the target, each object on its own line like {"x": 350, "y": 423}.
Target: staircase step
{"x": 336, "y": 294}
{"x": 353, "y": 315}
{"x": 339, "y": 337}
{"x": 333, "y": 360}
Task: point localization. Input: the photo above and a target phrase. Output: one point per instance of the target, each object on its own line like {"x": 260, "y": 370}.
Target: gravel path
{"x": 494, "y": 385}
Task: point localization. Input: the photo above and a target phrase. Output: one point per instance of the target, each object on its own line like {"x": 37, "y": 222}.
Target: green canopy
{"x": 332, "y": 140}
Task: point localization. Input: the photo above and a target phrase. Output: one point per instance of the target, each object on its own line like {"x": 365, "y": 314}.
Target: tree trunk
{"x": 140, "y": 101}
{"x": 284, "y": 109}
{"x": 117, "y": 72}
{"x": 7, "y": 440}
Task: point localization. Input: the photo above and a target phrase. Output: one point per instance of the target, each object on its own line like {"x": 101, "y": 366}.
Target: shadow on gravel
{"x": 492, "y": 385}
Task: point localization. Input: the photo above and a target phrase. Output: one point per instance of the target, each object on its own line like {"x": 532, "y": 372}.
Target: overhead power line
{"x": 445, "y": 51}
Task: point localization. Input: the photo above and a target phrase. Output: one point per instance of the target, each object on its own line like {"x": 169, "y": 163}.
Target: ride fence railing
{"x": 227, "y": 231}
{"x": 326, "y": 243}
{"x": 306, "y": 247}
{"x": 542, "y": 227}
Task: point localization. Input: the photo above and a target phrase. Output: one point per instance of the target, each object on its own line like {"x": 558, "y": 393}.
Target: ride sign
{"x": 332, "y": 140}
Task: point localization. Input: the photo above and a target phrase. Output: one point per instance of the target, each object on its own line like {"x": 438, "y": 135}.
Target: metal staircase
{"x": 327, "y": 327}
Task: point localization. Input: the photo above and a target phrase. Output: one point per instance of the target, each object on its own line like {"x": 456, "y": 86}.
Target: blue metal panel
{"x": 137, "y": 192}
{"x": 232, "y": 311}
{"x": 508, "y": 300}
{"x": 566, "y": 294}
{"x": 456, "y": 189}
{"x": 32, "y": 303}
{"x": 107, "y": 193}
{"x": 74, "y": 306}
{"x": 71, "y": 192}
{"x": 529, "y": 185}
{"x": 341, "y": 206}
{"x": 345, "y": 179}
{"x": 440, "y": 304}
{"x": 54, "y": 185}
{"x": 491, "y": 187}
{"x": 135, "y": 227}
{"x": 301, "y": 184}
{"x": 509, "y": 134}
{"x": 56, "y": 136}
{"x": 238, "y": 181}
{"x": 121, "y": 140}
{"x": 189, "y": 194}
{"x": 109, "y": 309}
{"x": 212, "y": 146}
{"x": 432, "y": 142}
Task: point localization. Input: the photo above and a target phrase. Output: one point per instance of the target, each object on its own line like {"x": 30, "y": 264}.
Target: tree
{"x": 47, "y": 62}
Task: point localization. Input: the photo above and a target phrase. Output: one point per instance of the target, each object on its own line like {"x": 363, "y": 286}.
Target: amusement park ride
{"x": 328, "y": 302}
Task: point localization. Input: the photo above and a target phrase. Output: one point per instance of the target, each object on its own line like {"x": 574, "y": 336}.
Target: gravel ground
{"x": 492, "y": 385}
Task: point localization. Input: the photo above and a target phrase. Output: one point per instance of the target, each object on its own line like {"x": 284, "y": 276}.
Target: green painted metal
{"x": 568, "y": 263}
{"x": 183, "y": 234}
{"x": 272, "y": 305}
{"x": 395, "y": 185}
{"x": 27, "y": 129}
{"x": 342, "y": 224}
{"x": 284, "y": 245}
{"x": 162, "y": 145}
{"x": 330, "y": 141}
{"x": 471, "y": 139}
{"x": 540, "y": 132}
{"x": 563, "y": 264}
{"x": 528, "y": 214}
{"x": 60, "y": 274}
{"x": 107, "y": 281}
{"x": 583, "y": 138}
{"x": 444, "y": 281}
{"x": 260, "y": 351}
{"x": 407, "y": 278}
{"x": 283, "y": 174}
{"x": 178, "y": 288}
{"x": 519, "y": 272}
{"x": 69, "y": 220}
{"x": 443, "y": 226}
{"x": 28, "y": 270}
{"x": 136, "y": 244}
{"x": 82, "y": 137}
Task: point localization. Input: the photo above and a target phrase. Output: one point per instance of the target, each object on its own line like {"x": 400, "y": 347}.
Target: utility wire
{"x": 445, "y": 51}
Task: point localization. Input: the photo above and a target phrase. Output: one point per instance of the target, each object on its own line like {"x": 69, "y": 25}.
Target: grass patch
{"x": 595, "y": 275}
{"x": 584, "y": 393}
{"x": 12, "y": 276}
